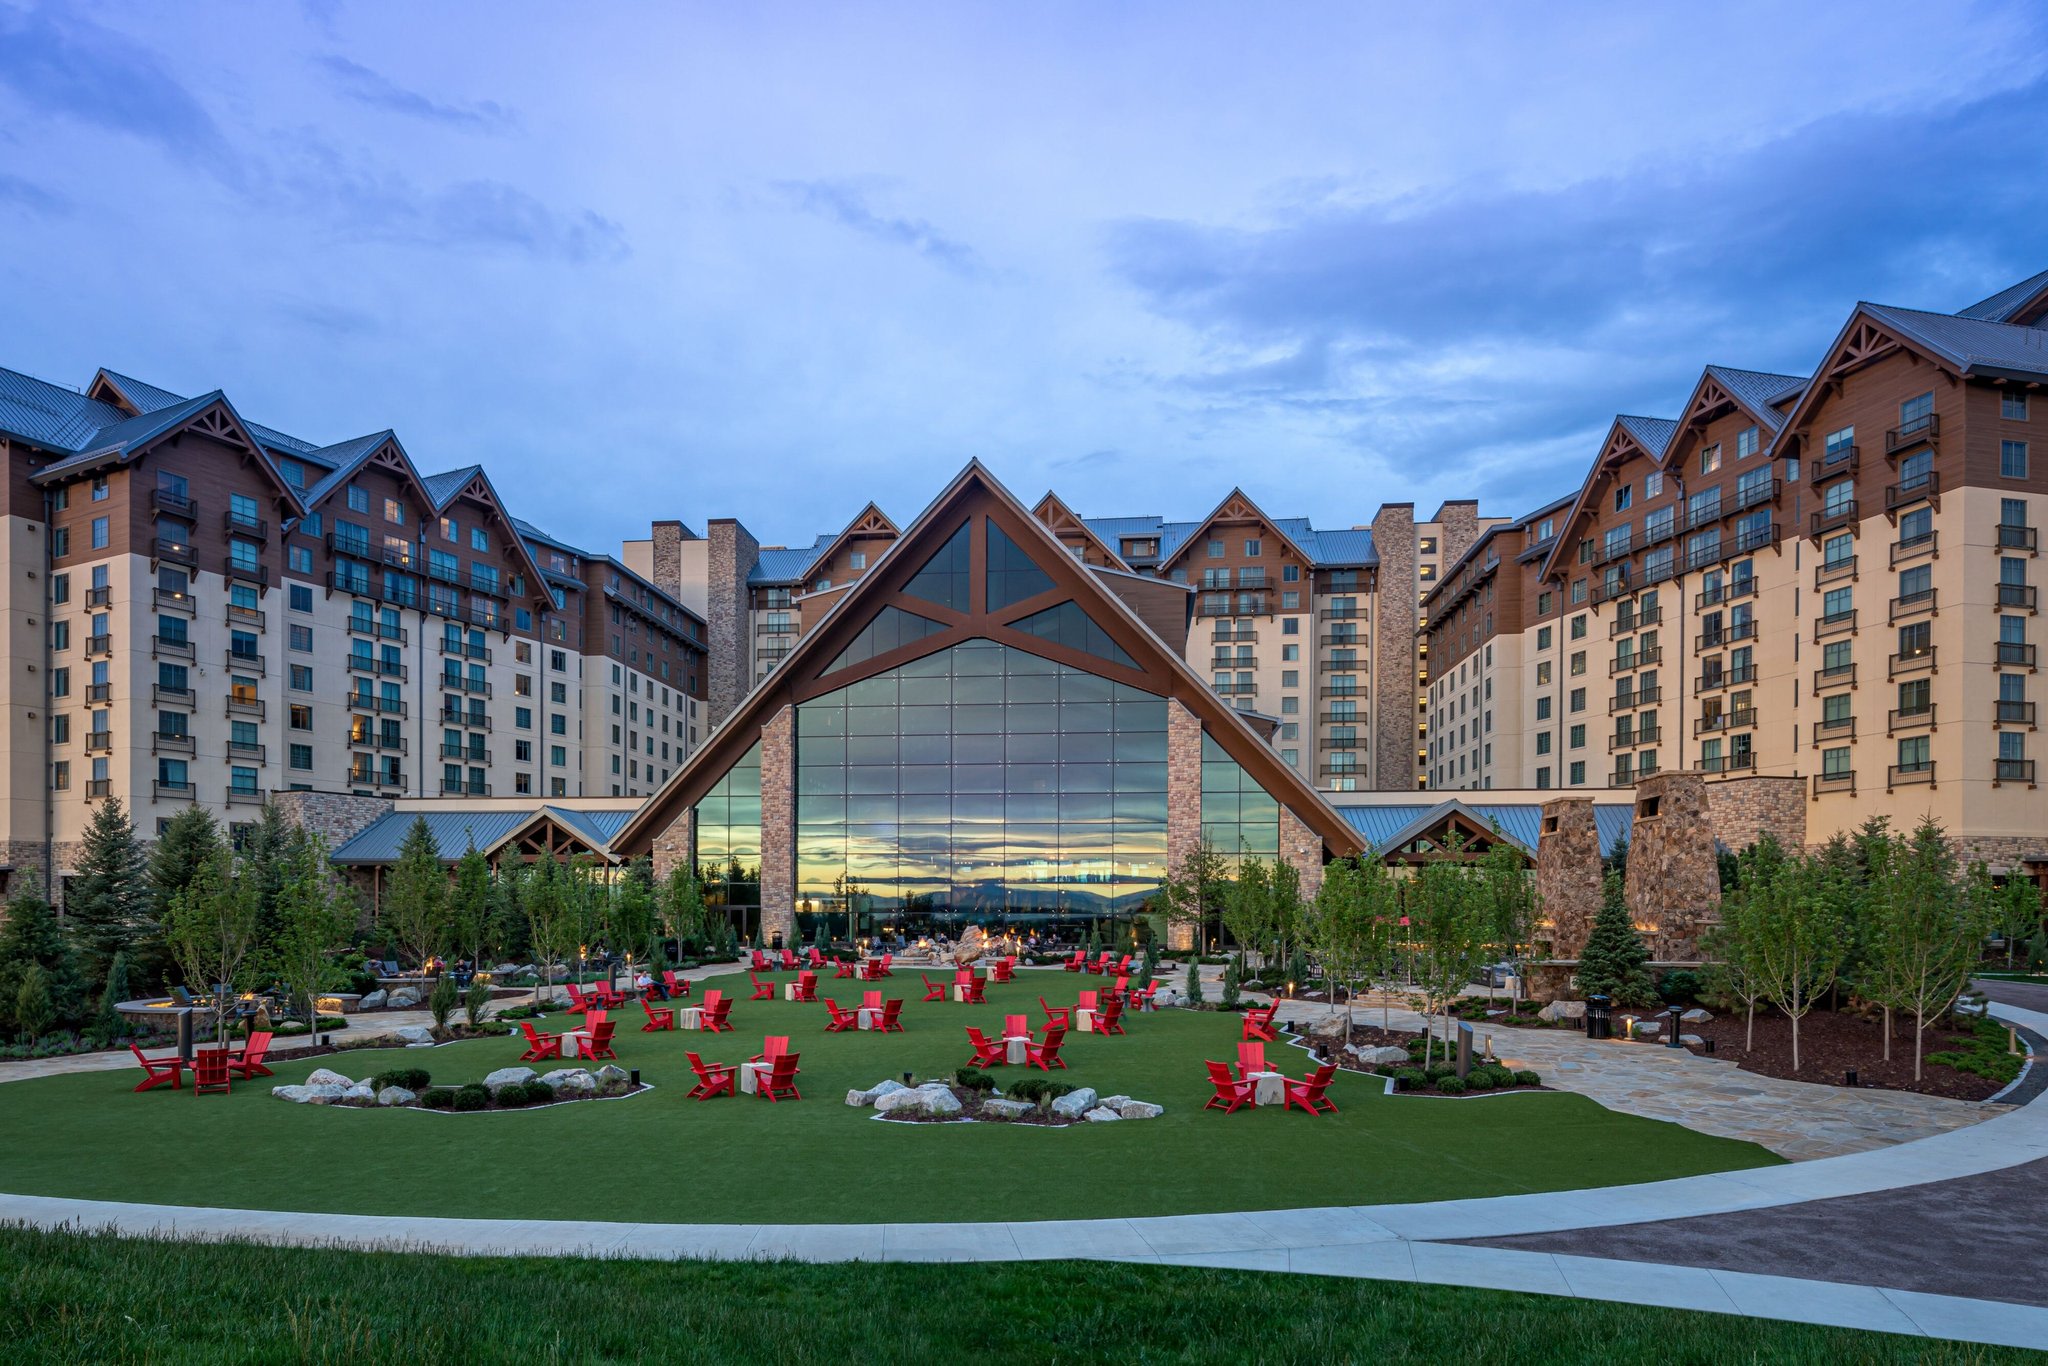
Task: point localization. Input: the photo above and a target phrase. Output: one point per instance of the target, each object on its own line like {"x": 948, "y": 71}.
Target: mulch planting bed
{"x": 1832, "y": 1042}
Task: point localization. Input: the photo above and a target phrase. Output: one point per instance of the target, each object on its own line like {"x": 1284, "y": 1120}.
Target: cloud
{"x": 490, "y": 212}
{"x": 324, "y": 316}
{"x": 29, "y": 197}
{"x": 70, "y": 67}
{"x": 360, "y": 83}
{"x": 1445, "y": 333}
{"x": 845, "y": 203}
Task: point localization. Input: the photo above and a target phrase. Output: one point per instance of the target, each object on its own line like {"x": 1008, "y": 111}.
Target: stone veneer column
{"x": 1458, "y": 528}
{"x": 676, "y": 846}
{"x": 336, "y": 817}
{"x": 1674, "y": 878}
{"x": 729, "y": 558}
{"x": 1744, "y": 810}
{"x": 1393, "y": 649}
{"x": 667, "y": 557}
{"x": 1568, "y": 874}
{"x": 778, "y": 825}
{"x": 1183, "y": 799}
{"x": 1303, "y": 848}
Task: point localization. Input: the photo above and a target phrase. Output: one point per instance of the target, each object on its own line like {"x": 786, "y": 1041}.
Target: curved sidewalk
{"x": 1386, "y": 1242}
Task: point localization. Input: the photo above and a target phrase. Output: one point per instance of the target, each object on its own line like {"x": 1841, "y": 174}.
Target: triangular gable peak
{"x": 870, "y": 523}
{"x": 215, "y": 417}
{"x": 545, "y": 835}
{"x": 960, "y": 553}
{"x": 1428, "y": 837}
{"x": 1618, "y": 450}
{"x": 1710, "y": 401}
{"x": 105, "y": 390}
{"x": 1236, "y": 509}
{"x": 1060, "y": 520}
{"x": 1862, "y": 342}
{"x": 479, "y": 490}
{"x": 388, "y": 455}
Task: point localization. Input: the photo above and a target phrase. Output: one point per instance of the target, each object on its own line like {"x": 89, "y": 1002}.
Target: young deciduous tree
{"x": 107, "y": 903}
{"x": 681, "y": 907}
{"x": 212, "y": 927}
{"x": 549, "y": 923}
{"x": 1248, "y": 908}
{"x": 469, "y": 905}
{"x": 1927, "y": 927}
{"x": 1450, "y": 921}
{"x": 416, "y": 897}
{"x": 1338, "y": 929}
{"x": 312, "y": 916}
{"x": 1799, "y": 920}
{"x": 188, "y": 840}
{"x": 1192, "y": 894}
{"x": 1734, "y": 942}
{"x": 1511, "y": 894}
{"x": 2014, "y": 911}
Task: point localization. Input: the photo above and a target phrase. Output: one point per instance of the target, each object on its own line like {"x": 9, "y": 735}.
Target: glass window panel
{"x": 926, "y": 692}
{"x": 1079, "y": 687}
{"x": 942, "y": 579}
{"x": 1085, "y": 747}
{"x": 871, "y": 749}
{"x": 925, "y": 749}
{"x": 926, "y": 778}
{"x": 978, "y": 720}
{"x": 1012, "y": 574}
{"x": 872, "y": 720}
{"x": 926, "y": 720}
{"x": 871, "y": 778}
{"x": 1031, "y": 807}
{"x": 1031, "y": 748}
{"x": 879, "y": 691}
{"x": 978, "y": 688}
{"x": 1032, "y": 688}
{"x": 1039, "y": 716}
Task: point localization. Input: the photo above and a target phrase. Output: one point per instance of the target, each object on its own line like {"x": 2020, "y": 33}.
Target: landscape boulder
{"x": 413, "y": 1034}
{"x": 571, "y": 1081}
{"x": 1372, "y": 1055}
{"x": 403, "y": 999}
{"x": 1074, "y": 1104}
{"x": 611, "y": 1080}
{"x": 375, "y": 1000}
{"x": 395, "y": 1095}
{"x": 309, "y": 1094}
{"x": 509, "y": 1076}
{"x": 1649, "y": 1029}
{"x": 1696, "y": 1016}
{"x": 1140, "y": 1109}
{"x": 321, "y": 1076}
{"x": 996, "y": 1107}
{"x": 1101, "y": 1114}
{"x": 1563, "y": 1010}
{"x": 362, "y": 1093}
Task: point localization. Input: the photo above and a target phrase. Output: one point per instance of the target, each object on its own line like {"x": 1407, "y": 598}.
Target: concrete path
{"x": 1509, "y": 1243}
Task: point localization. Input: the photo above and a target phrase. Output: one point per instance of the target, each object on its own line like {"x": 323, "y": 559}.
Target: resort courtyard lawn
{"x": 657, "y": 1156}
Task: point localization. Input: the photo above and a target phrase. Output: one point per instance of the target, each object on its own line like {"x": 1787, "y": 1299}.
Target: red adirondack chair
{"x": 1308, "y": 1092}
{"x": 779, "y": 1081}
{"x": 842, "y": 968}
{"x": 248, "y": 1063}
{"x": 578, "y": 1002}
{"x": 1087, "y": 1001}
{"x": 658, "y": 1017}
{"x": 933, "y": 991}
{"x": 713, "y": 1016}
{"x": 1102, "y": 963}
{"x": 157, "y": 1071}
{"x": 1016, "y": 1026}
{"x": 1057, "y": 1016}
{"x": 713, "y": 1079}
{"x": 210, "y": 1073}
{"x": 596, "y": 1041}
{"x": 773, "y": 1046}
{"x": 813, "y": 957}
{"x": 962, "y": 976}
{"x": 842, "y": 1020}
{"x": 606, "y": 995}
{"x": 1110, "y": 1019}
{"x": 1045, "y": 1054}
{"x": 763, "y": 991}
{"x": 1251, "y": 1057}
{"x": 871, "y": 970}
{"x": 1077, "y": 962}
{"x": 890, "y": 1024}
{"x": 593, "y": 1018}
{"x": 1003, "y": 970}
{"x": 678, "y": 987}
{"x": 760, "y": 961}
{"x": 539, "y": 1046}
{"x": 1231, "y": 1094}
{"x": 1258, "y": 1024}
{"x": 987, "y": 1052}
{"x": 789, "y": 960}
{"x": 807, "y": 986}
{"x": 1122, "y": 969}
{"x": 871, "y": 1000}
{"x": 1141, "y": 999}
{"x": 974, "y": 989}
{"x": 885, "y": 970}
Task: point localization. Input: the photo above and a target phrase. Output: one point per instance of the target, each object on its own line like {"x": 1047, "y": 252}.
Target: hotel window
{"x": 2012, "y": 405}
{"x": 394, "y": 511}
{"x": 1252, "y": 548}
{"x": 1542, "y": 673}
{"x": 243, "y": 554}
{"x": 1579, "y": 627}
{"x": 1710, "y": 458}
{"x": 522, "y": 718}
{"x": 1578, "y": 736}
{"x": 1578, "y": 662}
{"x": 1291, "y": 573}
{"x": 1653, "y": 484}
{"x": 302, "y": 678}
{"x": 99, "y": 488}
{"x": 1578, "y": 591}
{"x": 99, "y": 533}
{"x": 479, "y": 539}
{"x": 558, "y": 756}
{"x": 301, "y": 716}
{"x": 2012, "y": 459}
{"x": 1578, "y": 772}
{"x": 1745, "y": 443}
{"x": 1216, "y": 550}
{"x": 1577, "y": 700}
{"x": 1542, "y": 709}
{"x": 1623, "y": 496}
{"x": 358, "y": 499}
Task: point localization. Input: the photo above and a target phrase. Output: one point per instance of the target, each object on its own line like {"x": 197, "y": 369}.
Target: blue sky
{"x": 767, "y": 261}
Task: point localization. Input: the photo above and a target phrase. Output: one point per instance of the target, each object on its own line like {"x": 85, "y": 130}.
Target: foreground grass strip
{"x": 77, "y": 1297}
{"x": 667, "y": 1159}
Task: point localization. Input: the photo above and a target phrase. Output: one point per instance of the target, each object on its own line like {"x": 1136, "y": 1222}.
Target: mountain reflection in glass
{"x": 978, "y": 785}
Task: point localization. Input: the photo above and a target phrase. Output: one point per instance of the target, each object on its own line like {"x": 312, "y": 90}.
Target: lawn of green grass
{"x": 661, "y": 1157}
{"x": 70, "y": 1297}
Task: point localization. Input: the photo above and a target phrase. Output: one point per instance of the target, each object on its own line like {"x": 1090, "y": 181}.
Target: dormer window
{"x": 821, "y": 585}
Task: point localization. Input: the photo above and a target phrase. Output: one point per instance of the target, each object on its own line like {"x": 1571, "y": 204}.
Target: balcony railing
{"x": 340, "y": 581}
{"x": 444, "y": 573}
{"x": 248, "y": 662}
{"x": 464, "y": 649}
{"x": 1914, "y": 662}
{"x": 1635, "y": 621}
{"x": 1639, "y": 659}
{"x": 238, "y": 749}
{"x": 1640, "y": 697}
{"x": 1908, "y": 548}
{"x": 1910, "y": 718}
{"x": 1341, "y": 638}
{"x": 1696, "y": 517}
{"x": 1900, "y": 775}
{"x": 370, "y": 739}
{"x": 1834, "y": 570}
{"x": 1340, "y": 614}
{"x": 1234, "y": 689}
{"x": 160, "y": 695}
{"x": 1838, "y": 676}
{"x": 2012, "y": 771}
{"x": 2012, "y": 537}
{"x": 374, "y": 777}
{"x": 370, "y": 626}
{"x": 1340, "y": 718}
{"x": 1836, "y": 463}
{"x": 98, "y": 692}
{"x": 252, "y": 616}
{"x": 247, "y": 573}
{"x": 1905, "y": 493}
{"x": 2016, "y": 654}
{"x": 1618, "y": 548}
{"x": 1834, "y": 624}
{"x": 2006, "y": 713}
{"x": 1224, "y": 659}
{"x": 177, "y": 504}
{"x": 1238, "y": 637}
{"x": 99, "y": 597}
{"x": 98, "y": 740}
{"x": 99, "y": 645}
{"x": 1843, "y": 513}
{"x": 2021, "y": 595}
{"x": 1726, "y": 763}
{"x": 244, "y": 796}
{"x": 449, "y": 789}
{"x": 1339, "y": 690}
{"x": 171, "y": 791}
{"x": 245, "y": 706}
{"x": 1629, "y": 739}
{"x": 1723, "y": 721}
{"x": 1656, "y": 529}
{"x": 457, "y": 683}
{"x": 170, "y": 742}
{"x": 1914, "y": 604}
{"x": 1842, "y": 781}
{"x": 1920, "y": 431}
{"x": 1762, "y": 491}
{"x": 486, "y": 583}
{"x": 480, "y": 757}
{"x": 1727, "y": 678}
{"x": 99, "y": 787}
{"x": 168, "y": 600}
{"x": 1699, "y": 557}
{"x": 1756, "y": 537}
{"x": 1841, "y": 728}
{"x": 246, "y": 526}
{"x": 177, "y": 552}
{"x": 475, "y": 720}
{"x": 1342, "y": 771}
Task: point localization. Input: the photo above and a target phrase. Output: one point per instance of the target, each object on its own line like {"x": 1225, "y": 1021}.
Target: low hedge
{"x": 413, "y": 1079}
{"x": 1037, "y": 1089}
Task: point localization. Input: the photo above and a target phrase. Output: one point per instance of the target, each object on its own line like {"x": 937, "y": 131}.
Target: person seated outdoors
{"x": 645, "y": 984}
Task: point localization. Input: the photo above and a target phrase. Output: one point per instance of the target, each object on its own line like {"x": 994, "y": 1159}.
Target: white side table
{"x": 1268, "y": 1088}
{"x": 1014, "y": 1046}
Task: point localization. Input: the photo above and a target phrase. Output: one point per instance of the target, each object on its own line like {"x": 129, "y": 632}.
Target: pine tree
{"x": 30, "y": 938}
{"x": 1232, "y": 974}
{"x": 107, "y": 903}
{"x": 1194, "y": 983}
{"x": 188, "y": 840}
{"x": 1612, "y": 963}
{"x": 32, "y": 1008}
{"x": 108, "y": 1025}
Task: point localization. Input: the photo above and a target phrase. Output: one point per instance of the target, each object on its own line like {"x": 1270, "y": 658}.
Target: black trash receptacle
{"x": 1599, "y": 1019}
{"x": 775, "y": 942}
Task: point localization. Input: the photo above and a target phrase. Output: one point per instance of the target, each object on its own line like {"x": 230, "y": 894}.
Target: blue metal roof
{"x": 49, "y": 414}
{"x": 2000, "y": 306}
{"x": 1381, "y": 825}
{"x": 1654, "y": 432}
{"x": 453, "y": 831}
{"x": 345, "y": 458}
{"x": 441, "y": 487}
{"x": 1347, "y": 546}
{"x": 1969, "y": 343}
{"x": 1758, "y": 390}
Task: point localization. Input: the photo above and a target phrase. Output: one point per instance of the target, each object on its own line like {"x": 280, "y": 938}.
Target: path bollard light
{"x": 1850, "y": 1078}
{"x": 906, "y": 1078}
{"x": 634, "y": 1077}
{"x": 1673, "y": 1041}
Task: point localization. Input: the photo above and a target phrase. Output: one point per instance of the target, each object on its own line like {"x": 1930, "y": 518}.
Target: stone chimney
{"x": 731, "y": 556}
{"x": 1393, "y": 649}
{"x": 667, "y": 571}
